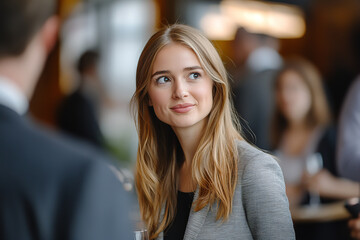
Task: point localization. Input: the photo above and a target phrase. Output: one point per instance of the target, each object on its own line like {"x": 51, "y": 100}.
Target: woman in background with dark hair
{"x": 304, "y": 138}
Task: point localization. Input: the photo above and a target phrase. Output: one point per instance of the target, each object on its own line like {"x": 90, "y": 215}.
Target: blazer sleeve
{"x": 265, "y": 201}
{"x": 101, "y": 206}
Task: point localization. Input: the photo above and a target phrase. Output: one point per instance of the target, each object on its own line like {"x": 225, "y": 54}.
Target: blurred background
{"x": 102, "y": 81}
{"x": 318, "y": 30}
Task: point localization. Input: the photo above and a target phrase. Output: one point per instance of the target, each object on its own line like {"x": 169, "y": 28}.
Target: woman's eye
{"x": 162, "y": 80}
{"x": 194, "y": 75}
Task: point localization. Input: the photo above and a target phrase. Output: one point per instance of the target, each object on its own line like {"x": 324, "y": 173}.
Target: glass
{"x": 141, "y": 235}
{"x": 314, "y": 163}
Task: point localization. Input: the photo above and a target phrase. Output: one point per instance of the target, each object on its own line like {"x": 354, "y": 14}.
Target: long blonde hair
{"x": 160, "y": 155}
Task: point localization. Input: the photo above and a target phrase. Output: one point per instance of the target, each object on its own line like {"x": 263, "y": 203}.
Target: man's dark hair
{"x": 87, "y": 60}
{"x": 19, "y": 21}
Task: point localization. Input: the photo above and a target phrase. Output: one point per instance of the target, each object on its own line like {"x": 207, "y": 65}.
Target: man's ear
{"x": 49, "y": 33}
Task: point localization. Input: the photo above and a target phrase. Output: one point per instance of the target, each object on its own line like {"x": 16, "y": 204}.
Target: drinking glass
{"x": 314, "y": 163}
{"x": 141, "y": 235}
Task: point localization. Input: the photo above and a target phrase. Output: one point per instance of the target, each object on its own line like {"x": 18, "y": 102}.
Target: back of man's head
{"x": 88, "y": 60}
{"x": 246, "y": 42}
{"x": 19, "y": 21}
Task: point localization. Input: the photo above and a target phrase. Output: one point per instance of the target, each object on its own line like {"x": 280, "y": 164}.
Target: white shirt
{"x": 12, "y": 97}
{"x": 264, "y": 58}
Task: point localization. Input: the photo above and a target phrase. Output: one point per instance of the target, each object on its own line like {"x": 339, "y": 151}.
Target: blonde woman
{"x": 196, "y": 177}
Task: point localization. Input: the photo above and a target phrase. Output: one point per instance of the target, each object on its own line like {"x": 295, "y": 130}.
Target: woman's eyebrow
{"x": 159, "y": 72}
{"x": 192, "y": 68}
{"x": 167, "y": 71}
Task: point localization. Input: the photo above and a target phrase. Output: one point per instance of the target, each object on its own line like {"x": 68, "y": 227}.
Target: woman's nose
{"x": 180, "y": 89}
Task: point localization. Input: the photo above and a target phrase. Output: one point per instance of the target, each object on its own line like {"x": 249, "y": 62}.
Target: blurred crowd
{"x": 284, "y": 108}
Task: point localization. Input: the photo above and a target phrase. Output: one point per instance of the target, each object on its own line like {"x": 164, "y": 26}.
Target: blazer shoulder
{"x": 258, "y": 169}
{"x": 34, "y": 143}
{"x": 251, "y": 155}
{"x": 262, "y": 189}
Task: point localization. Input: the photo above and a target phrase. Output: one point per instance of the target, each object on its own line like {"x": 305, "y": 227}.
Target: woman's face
{"x": 293, "y": 96}
{"x": 180, "y": 91}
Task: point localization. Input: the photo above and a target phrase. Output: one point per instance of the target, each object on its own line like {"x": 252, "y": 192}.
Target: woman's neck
{"x": 189, "y": 139}
{"x": 297, "y": 126}
{"x": 296, "y": 138}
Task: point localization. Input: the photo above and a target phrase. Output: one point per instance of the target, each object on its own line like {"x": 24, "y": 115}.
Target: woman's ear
{"x": 150, "y": 102}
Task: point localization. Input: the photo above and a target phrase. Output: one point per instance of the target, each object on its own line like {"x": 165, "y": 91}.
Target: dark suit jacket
{"x": 53, "y": 188}
{"x": 254, "y": 102}
{"x": 77, "y": 116}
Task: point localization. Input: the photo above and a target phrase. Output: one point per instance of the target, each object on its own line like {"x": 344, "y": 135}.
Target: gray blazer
{"x": 260, "y": 206}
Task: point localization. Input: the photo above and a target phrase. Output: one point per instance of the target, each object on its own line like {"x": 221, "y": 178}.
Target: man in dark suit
{"x": 50, "y": 187}
{"x": 257, "y": 60}
{"x": 78, "y": 113}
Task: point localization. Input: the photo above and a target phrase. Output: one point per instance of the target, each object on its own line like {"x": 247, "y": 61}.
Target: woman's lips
{"x": 182, "y": 108}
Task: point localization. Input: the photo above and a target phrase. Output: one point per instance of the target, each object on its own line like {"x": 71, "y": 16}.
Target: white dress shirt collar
{"x": 12, "y": 97}
{"x": 264, "y": 58}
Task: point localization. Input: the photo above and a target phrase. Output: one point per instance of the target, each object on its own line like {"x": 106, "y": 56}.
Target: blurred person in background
{"x": 196, "y": 176}
{"x": 257, "y": 61}
{"x": 348, "y": 147}
{"x": 78, "y": 113}
{"x": 50, "y": 187}
{"x": 301, "y": 130}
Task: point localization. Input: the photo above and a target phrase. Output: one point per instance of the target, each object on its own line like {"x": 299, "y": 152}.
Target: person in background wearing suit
{"x": 196, "y": 177}
{"x": 257, "y": 62}
{"x": 78, "y": 113}
{"x": 50, "y": 187}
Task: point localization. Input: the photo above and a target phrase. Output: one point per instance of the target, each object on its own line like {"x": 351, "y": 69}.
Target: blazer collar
{"x": 196, "y": 220}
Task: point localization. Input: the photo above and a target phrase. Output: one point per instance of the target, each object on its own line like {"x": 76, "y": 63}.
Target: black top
{"x": 176, "y": 230}
{"x": 326, "y": 147}
{"x": 77, "y": 116}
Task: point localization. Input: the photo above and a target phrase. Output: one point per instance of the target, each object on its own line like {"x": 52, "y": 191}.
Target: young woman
{"x": 301, "y": 127}
{"x": 302, "y": 131}
{"x": 196, "y": 177}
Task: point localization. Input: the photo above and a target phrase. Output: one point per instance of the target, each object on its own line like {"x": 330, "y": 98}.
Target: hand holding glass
{"x": 314, "y": 163}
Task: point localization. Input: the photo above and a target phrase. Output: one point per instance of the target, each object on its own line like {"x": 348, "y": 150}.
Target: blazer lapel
{"x": 196, "y": 220}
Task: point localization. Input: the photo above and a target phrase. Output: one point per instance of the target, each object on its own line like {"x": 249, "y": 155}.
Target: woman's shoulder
{"x": 249, "y": 153}
{"x": 255, "y": 162}
{"x": 261, "y": 189}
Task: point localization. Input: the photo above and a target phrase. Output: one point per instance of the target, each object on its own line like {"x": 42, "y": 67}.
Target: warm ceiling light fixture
{"x": 277, "y": 20}
{"x": 217, "y": 26}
